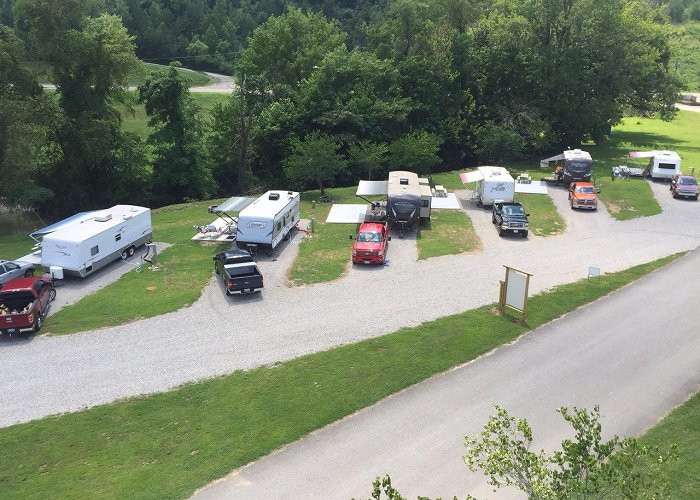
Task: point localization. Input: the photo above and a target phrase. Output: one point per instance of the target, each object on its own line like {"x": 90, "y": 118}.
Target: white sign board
{"x": 516, "y": 288}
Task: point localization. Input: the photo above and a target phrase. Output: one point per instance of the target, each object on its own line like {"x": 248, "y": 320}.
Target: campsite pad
{"x": 449, "y": 202}
{"x": 346, "y": 213}
{"x": 534, "y": 187}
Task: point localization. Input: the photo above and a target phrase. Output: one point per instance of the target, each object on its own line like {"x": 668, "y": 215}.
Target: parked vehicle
{"x": 510, "y": 217}
{"x": 492, "y": 183}
{"x": 570, "y": 166}
{"x": 83, "y": 246}
{"x": 662, "y": 164}
{"x": 238, "y": 271}
{"x": 24, "y": 303}
{"x": 684, "y": 186}
{"x": 268, "y": 220}
{"x": 11, "y": 269}
{"x": 404, "y": 201}
{"x": 583, "y": 195}
{"x": 371, "y": 243}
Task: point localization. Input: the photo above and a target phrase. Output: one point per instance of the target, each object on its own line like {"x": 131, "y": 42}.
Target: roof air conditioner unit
{"x": 103, "y": 217}
{"x": 274, "y": 196}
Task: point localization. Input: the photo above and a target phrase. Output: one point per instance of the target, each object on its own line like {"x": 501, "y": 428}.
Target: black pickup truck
{"x": 510, "y": 217}
{"x": 238, "y": 271}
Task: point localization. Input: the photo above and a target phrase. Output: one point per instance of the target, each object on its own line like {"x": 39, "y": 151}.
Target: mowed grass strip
{"x": 544, "y": 218}
{"x": 447, "y": 232}
{"x": 682, "y": 428}
{"x": 168, "y": 445}
{"x": 182, "y": 272}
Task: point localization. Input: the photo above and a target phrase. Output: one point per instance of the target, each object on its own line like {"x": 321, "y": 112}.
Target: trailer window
{"x": 279, "y": 225}
{"x": 94, "y": 250}
{"x": 425, "y": 203}
{"x": 668, "y": 166}
{"x": 118, "y": 237}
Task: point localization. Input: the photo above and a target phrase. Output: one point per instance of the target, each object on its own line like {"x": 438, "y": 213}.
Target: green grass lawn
{"x": 448, "y": 232}
{"x": 687, "y": 61}
{"x": 681, "y": 427}
{"x": 167, "y": 445}
{"x": 544, "y": 218}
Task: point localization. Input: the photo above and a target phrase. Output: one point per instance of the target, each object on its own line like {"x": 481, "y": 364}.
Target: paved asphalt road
{"x": 635, "y": 353}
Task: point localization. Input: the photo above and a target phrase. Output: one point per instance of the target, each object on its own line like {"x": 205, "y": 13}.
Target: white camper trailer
{"x": 662, "y": 164}
{"x": 83, "y": 246}
{"x": 268, "y": 220}
{"x": 492, "y": 183}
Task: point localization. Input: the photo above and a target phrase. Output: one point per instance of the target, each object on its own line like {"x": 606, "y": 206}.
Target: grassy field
{"x": 687, "y": 61}
{"x": 169, "y": 444}
{"x": 544, "y": 219}
{"x": 448, "y": 232}
{"x": 681, "y": 427}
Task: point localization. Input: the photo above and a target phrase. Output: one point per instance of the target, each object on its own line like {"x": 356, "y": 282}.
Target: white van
{"x": 268, "y": 220}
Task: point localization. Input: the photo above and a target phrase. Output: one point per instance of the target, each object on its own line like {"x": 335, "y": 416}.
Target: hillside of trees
{"x": 328, "y": 92}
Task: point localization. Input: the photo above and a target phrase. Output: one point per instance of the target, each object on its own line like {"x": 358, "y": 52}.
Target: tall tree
{"x": 416, "y": 152}
{"x": 315, "y": 159}
{"x": 90, "y": 59}
{"x": 181, "y": 169}
{"x": 368, "y": 156}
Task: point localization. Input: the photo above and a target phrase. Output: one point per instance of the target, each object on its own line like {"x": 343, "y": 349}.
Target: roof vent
{"x": 274, "y": 196}
{"x": 404, "y": 181}
{"x": 103, "y": 217}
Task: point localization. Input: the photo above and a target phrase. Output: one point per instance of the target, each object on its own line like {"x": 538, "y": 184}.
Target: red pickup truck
{"x": 24, "y": 303}
{"x": 371, "y": 243}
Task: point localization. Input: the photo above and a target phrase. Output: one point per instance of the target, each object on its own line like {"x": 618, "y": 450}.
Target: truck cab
{"x": 371, "y": 243}
{"x": 510, "y": 217}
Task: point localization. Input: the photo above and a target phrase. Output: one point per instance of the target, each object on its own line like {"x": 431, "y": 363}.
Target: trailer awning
{"x": 58, "y": 225}
{"x": 346, "y": 213}
{"x": 642, "y": 154}
{"x": 474, "y": 176}
{"x": 233, "y": 204}
{"x": 372, "y": 188}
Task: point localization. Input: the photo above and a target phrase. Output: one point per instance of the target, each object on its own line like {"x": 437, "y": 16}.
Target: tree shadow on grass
{"x": 646, "y": 140}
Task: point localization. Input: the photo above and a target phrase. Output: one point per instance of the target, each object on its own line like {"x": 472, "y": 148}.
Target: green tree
{"x": 585, "y": 467}
{"x": 315, "y": 159}
{"x": 181, "y": 170}
{"x": 416, "y": 152}
{"x": 90, "y": 59}
{"x": 368, "y": 156}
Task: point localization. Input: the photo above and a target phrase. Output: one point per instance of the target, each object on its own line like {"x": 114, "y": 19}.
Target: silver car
{"x": 10, "y": 270}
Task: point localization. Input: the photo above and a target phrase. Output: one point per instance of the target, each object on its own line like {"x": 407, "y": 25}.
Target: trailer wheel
{"x": 52, "y": 294}
{"x": 132, "y": 250}
{"x": 125, "y": 254}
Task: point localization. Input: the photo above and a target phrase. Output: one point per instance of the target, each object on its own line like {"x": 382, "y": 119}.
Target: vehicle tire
{"x": 132, "y": 250}
{"x": 572, "y": 207}
{"x": 228, "y": 292}
{"x": 216, "y": 269}
{"x": 52, "y": 294}
{"x": 696, "y": 197}
{"x": 525, "y": 234}
{"x": 674, "y": 194}
{"x": 30, "y": 272}
{"x": 493, "y": 219}
{"x": 37, "y": 325}
{"x": 269, "y": 252}
{"x": 500, "y": 231}
{"x": 125, "y": 253}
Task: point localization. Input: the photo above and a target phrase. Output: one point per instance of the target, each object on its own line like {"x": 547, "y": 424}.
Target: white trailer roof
{"x": 669, "y": 155}
{"x": 372, "y": 188}
{"x": 488, "y": 173}
{"x": 265, "y": 207}
{"x": 100, "y": 221}
{"x": 346, "y": 213}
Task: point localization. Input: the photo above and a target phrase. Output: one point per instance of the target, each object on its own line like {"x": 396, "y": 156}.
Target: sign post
{"x": 513, "y": 291}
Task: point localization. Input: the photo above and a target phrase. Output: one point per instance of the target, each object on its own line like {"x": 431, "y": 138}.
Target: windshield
{"x": 370, "y": 237}
{"x": 689, "y": 181}
{"x": 513, "y": 210}
{"x": 585, "y": 189}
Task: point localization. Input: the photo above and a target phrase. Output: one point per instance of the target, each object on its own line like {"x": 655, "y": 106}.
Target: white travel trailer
{"x": 492, "y": 183}
{"x": 268, "y": 220}
{"x": 662, "y": 164}
{"x": 84, "y": 245}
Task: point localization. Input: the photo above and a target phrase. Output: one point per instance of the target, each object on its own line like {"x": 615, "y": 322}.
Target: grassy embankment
{"x": 169, "y": 444}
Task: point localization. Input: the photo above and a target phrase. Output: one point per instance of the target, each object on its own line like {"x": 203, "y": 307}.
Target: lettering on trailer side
{"x": 256, "y": 225}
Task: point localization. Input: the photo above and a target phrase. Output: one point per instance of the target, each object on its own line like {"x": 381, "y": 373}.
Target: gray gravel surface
{"x": 218, "y": 334}
{"x": 626, "y": 358}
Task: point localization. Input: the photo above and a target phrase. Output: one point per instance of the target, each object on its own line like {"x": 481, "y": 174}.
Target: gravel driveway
{"x": 48, "y": 375}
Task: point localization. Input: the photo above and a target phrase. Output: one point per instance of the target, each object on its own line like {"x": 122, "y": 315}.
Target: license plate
{"x": 10, "y": 330}
{"x": 366, "y": 262}
{"x": 515, "y": 230}
{"x": 247, "y": 290}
